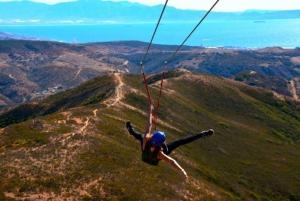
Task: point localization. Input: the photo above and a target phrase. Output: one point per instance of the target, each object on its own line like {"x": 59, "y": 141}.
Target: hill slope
{"x": 32, "y": 70}
{"x": 273, "y": 83}
{"x": 81, "y": 150}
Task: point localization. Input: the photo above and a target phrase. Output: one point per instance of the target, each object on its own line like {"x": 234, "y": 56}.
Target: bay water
{"x": 234, "y": 34}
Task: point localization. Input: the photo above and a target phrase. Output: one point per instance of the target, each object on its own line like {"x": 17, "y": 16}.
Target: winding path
{"x": 80, "y": 68}
{"x": 88, "y": 120}
{"x": 118, "y": 92}
{"x": 293, "y": 88}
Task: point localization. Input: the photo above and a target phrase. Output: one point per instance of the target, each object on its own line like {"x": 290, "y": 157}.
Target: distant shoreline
{"x": 215, "y": 34}
{"x": 204, "y": 47}
{"x": 97, "y": 23}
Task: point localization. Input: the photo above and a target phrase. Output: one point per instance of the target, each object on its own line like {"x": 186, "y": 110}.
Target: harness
{"x": 155, "y": 114}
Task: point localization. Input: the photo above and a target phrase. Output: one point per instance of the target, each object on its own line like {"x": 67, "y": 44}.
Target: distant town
{"x": 46, "y": 92}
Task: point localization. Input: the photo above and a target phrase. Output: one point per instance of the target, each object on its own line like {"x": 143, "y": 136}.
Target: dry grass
{"x": 295, "y": 60}
{"x": 88, "y": 154}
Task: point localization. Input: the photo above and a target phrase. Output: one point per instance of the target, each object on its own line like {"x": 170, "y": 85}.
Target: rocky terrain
{"x": 32, "y": 70}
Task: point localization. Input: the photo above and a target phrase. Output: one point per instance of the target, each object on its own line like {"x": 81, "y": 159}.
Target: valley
{"x": 32, "y": 70}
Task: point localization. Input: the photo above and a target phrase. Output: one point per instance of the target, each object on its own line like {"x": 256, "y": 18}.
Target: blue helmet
{"x": 158, "y": 138}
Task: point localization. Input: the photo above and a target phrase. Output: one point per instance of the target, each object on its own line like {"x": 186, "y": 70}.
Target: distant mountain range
{"x": 95, "y": 11}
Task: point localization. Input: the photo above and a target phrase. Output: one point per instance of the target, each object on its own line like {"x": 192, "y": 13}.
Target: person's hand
{"x": 151, "y": 107}
{"x": 185, "y": 175}
{"x": 186, "y": 178}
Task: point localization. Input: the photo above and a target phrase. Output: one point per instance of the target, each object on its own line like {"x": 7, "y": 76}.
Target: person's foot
{"x": 208, "y": 133}
{"x": 128, "y": 126}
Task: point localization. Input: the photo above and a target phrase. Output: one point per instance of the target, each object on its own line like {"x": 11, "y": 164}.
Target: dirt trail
{"x": 85, "y": 125}
{"x": 116, "y": 99}
{"x": 88, "y": 121}
{"x": 95, "y": 112}
{"x": 118, "y": 92}
{"x": 80, "y": 68}
{"x": 293, "y": 89}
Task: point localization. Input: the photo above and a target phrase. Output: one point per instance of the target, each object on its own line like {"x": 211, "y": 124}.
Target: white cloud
{"x": 34, "y": 20}
{"x": 51, "y": 2}
{"x": 67, "y": 22}
{"x": 18, "y": 21}
{"x": 109, "y": 21}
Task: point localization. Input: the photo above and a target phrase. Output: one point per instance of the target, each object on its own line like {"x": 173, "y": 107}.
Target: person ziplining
{"x": 154, "y": 147}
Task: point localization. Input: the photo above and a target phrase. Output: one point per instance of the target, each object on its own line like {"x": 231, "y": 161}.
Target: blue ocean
{"x": 239, "y": 34}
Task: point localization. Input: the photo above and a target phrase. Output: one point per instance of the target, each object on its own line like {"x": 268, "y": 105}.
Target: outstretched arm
{"x": 148, "y": 127}
{"x": 172, "y": 162}
{"x": 149, "y": 121}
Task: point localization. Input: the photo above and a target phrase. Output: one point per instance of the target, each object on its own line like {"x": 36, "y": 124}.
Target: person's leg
{"x": 182, "y": 141}
{"x": 135, "y": 134}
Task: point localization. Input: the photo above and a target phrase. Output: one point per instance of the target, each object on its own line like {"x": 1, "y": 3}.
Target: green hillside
{"x": 74, "y": 145}
{"x": 273, "y": 83}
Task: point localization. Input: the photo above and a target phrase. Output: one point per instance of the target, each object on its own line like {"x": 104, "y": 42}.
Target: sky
{"x": 223, "y": 5}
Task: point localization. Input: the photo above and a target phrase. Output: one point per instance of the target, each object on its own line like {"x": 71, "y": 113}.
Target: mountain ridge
{"x": 85, "y": 152}
{"x": 32, "y": 70}
{"x": 95, "y": 12}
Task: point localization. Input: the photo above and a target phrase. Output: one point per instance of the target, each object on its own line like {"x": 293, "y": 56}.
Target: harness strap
{"x": 158, "y": 101}
{"x": 149, "y": 97}
{"x": 146, "y": 85}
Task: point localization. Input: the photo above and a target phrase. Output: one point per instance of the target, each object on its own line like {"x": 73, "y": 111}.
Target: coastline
{"x": 216, "y": 34}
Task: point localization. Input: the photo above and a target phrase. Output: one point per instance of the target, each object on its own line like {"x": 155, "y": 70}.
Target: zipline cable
{"x": 159, "y": 96}
{"x": 166, "y": 62}
{"x": 146, "y": 85}
{"x": 141, "y": 64}
{"x": 193, "y": 30}
{"x": 162, "y": 12}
